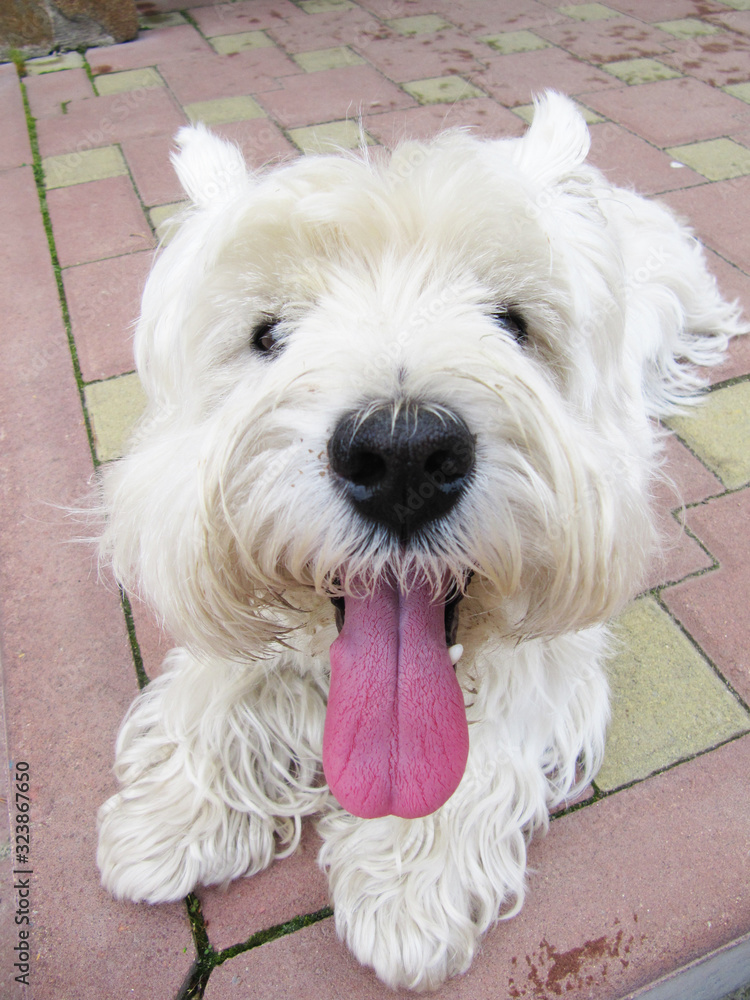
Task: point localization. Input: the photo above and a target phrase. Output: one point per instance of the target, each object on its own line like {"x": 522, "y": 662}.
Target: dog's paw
{"x": 156, "y": 845}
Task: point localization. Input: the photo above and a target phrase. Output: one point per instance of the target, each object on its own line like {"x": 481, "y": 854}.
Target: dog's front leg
{"x": 215, "y": 760}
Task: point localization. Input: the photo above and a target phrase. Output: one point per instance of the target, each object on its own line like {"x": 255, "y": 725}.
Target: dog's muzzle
{"x": 402, "y": 466}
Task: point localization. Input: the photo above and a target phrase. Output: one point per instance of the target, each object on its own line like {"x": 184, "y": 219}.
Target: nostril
{"x": 443, "y": 466}
{"x": 367, "y": 469}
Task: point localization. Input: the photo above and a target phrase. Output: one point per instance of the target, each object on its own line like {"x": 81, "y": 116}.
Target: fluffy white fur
{"x": 385, "y": 273}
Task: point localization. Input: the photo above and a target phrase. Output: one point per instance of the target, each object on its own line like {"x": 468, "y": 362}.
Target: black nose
{"x": 402, "y": 467}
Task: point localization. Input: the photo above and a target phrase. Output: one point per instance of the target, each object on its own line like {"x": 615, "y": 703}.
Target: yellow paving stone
{"x": 635, "y": 71}
{"x": 526, "y": 111}
{"x": 80, "y": 167}
{"x": 114, "y": 407}
{"x": 716, "y": 159}
{"x": 739, "y": 90}
{"x": 169, "y": 19}
{"x": 718, "y": 431}
{"x": 335, "y": 58}
{"x": 419, "y": 24}
{"x": 667, "y": 701}
{"x": 163, "y": 219}
{"x": 224, "y": 109}
{"x": 508, "y": 42}
{"x": 737, "y": 4}
{"x": 54, "y": 63}
{"x": 129, "y": 79}
{"x": 324, "y": 6}
{"x": 687, "y": 27}
{"x": 437, "y": 89}
{"x": 589, "y": 12}
{"x": 328, "y": 137}
{"x": 243, "y": 41}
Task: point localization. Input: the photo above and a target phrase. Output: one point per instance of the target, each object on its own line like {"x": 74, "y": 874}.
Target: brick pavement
{"x": 649, "y": 873}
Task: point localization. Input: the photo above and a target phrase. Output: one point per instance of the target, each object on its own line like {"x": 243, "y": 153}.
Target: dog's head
{"x": 374, "y": 380}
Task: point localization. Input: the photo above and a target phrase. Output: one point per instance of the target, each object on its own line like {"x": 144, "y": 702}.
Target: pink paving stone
{"x": 609, "y": 909}
{"x": 248, "y": 15}
{"x": 485, "y": 17}
{"x": 514, "y": 79}
{"x": 306, "y": 32}
{"x": 435, "y": 54}
{"x": 716, "y": 59}
{"x": 331, "y": 95}
{"x": 15, "y": 149}
{"x": 670, "y": 112}
{"x": 665, "y": 10}
{"x": 632, "y": 162}
{"x": 48, "y": 92}
{"x": 734, "y": 284}
{"x": 719, "y": 214}
{"x": 150, "y": 48}
{"x": 685, "y": 480}
{"x": 104, "y": 299}
{"x": 98, "y": 219}
{"x": 100, "y": 121}
{"x": 67, "y": 668}
{"x": 735, "y": 20}
{"x": 213, "y": 76}
{"x": 607, "y": 40}
{"x": 152, "y": 170}
{"x": 260, "y": 140}
{"x": 291, "y": 887}
{"x": 484, "y": 116}
{"x": 713, "y": 607}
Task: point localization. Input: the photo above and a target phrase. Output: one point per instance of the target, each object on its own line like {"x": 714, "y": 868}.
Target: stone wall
{"x": 37, "y": 27}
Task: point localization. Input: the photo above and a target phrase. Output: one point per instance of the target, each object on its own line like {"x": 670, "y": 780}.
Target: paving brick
{"x": 291, "y": 887}
{"x": 609, "y": 907}
{"x": 597, "y": 42}
{"x": 670, "y": 112}
{"x": 260, "y": 140}
{"x": 169, "y": 19}
{"x": 151, "y": 169}
{"x": 48, "y": 94}
{"x": 716, "y": 159}
{"x": 636, "y": 71}
{"x": 321, "y": 31}
{"x": 629, "y": 161}
{"x": 87, "y": 165}
{"x": 687, "y": 27}
{"x": 713, "y": 607}
{"x": 418, "y": 24}
{"x": 102, "y": 121}
{"x": 335, "y": 58}
{"x": 648, "y": 11}
{"x": 719, "y": 433}
{"x": 667, "y": 702}
{"x": 53, "y": 63}
{"x": 247, "y": 15}
{"x": 507, "y": 42}
{"x": 64, "y": 630}
{"x": 589, "y": 12}
{"x": 164, "y": 219}
{"x": 329, "y": 137}
{"x": 244, "y": 41}
{"x": 481, "y": 17}
{"x": 103, "y": 301}
{"x": 446, "y": 53}
{"x": 718, "y": 213}
{"x": 114, "y": 407}
{"x": 96, "y": 220}
{"x": 516, "y": 78}
{"x": 212, "y": 76}
{"x": 720, "y": 60}
{"x": 15, "y": 149}
{"x": 324, "y": 6}
{"x": 152, "y": 47}
{"x": 224, "y": 109}
{"x": 442, "y": 89}
{"x": 313, "y": 98}
{"x": 129, "y": 79}
{"x": 426, "y": 121}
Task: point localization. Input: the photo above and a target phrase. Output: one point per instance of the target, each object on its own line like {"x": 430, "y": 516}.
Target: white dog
{"x": 409, "y": 397}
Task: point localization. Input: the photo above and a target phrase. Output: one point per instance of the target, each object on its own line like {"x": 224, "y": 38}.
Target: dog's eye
{"x": 511, "y": 320}
{"x": 264, "y": 339}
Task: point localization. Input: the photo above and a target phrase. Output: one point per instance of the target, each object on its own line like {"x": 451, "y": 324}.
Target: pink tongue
{"x": 396, "y": 739}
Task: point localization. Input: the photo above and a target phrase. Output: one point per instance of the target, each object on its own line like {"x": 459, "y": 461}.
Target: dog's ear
{"x": 208, "y": 167}
{"x": 557, "y": 141}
